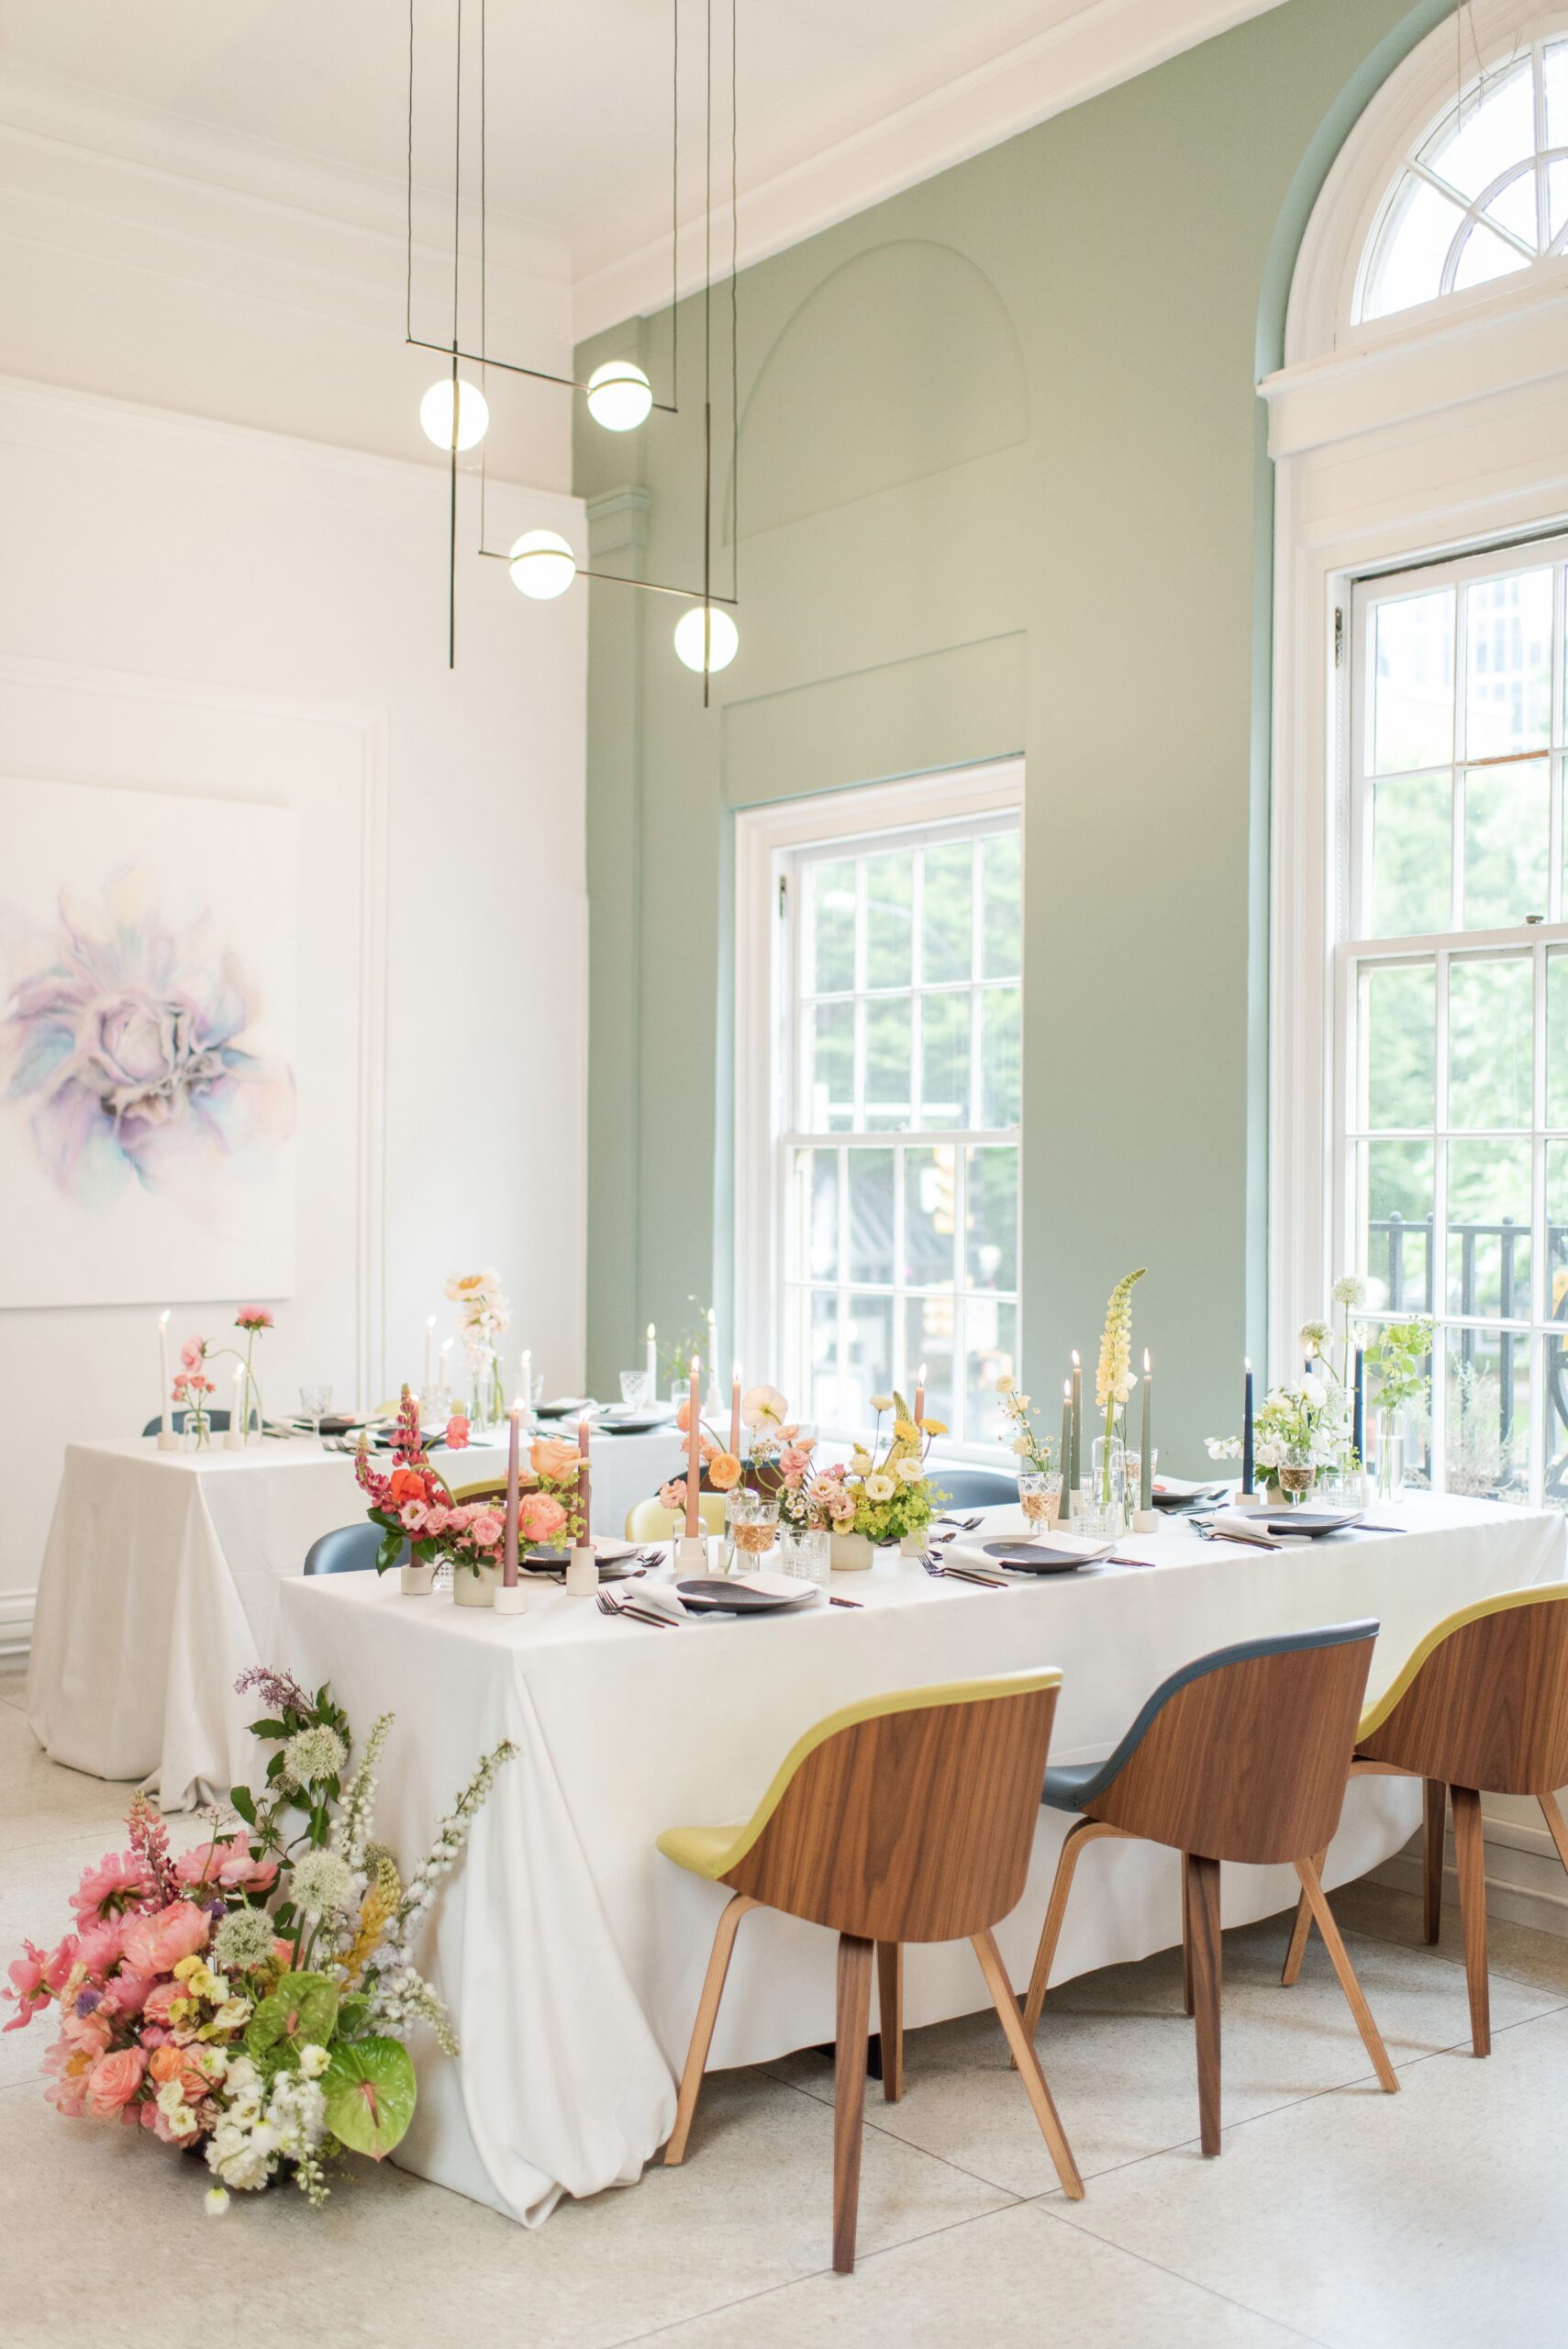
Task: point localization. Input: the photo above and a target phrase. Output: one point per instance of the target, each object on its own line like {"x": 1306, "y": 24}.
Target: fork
{"x": 939, "y": 1572}
{"x": 963, "y": 1524}
{"x": 610, "y": 1605}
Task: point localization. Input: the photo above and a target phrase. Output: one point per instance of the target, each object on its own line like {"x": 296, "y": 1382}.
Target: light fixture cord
{"x": 734, "y": 318}
{"x": 457, "y": 254}
{"x": 675, "y": 204}
{"x": 408, "y": 258}
{"x": 484, "y": 254}
{"x": 708, "y": 368}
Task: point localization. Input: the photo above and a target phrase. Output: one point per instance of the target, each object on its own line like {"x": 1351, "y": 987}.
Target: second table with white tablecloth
{"x": 572, "y": 1954}
{"x": 160, "y": 1582}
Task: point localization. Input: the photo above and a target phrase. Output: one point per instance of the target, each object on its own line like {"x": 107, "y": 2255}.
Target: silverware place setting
{"x": 943, "y": 1570}
{"x": 608, "y": 1604}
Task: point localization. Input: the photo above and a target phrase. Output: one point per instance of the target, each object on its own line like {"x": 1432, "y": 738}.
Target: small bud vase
{"x": 475, "y": 1585}
{"x": 851, "y": 1553}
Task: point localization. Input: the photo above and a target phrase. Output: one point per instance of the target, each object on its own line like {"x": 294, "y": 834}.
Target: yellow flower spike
{"x": 934, "y": 1427}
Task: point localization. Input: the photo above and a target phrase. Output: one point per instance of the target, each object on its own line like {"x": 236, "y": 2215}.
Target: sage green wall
{"x": 1002, "y": 488}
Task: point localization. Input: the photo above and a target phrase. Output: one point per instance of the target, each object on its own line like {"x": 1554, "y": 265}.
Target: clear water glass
{"x": 807, "y": 1553}
{"x": 316, "y": 1402}
{"x": 635, "y": 1388}
{"x": 1040, "y": 1496}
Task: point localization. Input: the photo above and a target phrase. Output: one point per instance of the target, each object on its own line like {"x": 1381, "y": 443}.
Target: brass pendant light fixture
{"x": 455, "y": 411}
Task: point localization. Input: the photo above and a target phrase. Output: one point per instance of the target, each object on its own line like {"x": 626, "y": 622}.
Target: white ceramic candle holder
{"x": 167, "y": 1440}
{"x": 581, "y": 1575}
{"x": 691, "y": 1554}
{"x": 513, "y": 1600}
{"x": 1146, "y": 1520}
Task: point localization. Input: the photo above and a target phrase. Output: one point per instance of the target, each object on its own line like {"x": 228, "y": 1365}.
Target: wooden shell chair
{"x": 906, "y": 1818}
{"x": 1243, "y": 1754}
{"x": 1480, "y": 1708}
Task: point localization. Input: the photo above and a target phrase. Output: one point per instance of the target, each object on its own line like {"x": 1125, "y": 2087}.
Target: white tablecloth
{"x": 572, "y": 1954}
{"x": 160, "y": 1586}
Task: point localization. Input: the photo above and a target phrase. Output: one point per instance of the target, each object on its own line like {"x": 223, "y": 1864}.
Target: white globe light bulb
{"x": 718, "y": 642}
{"x": 473, "y": 414}
{"x": 542, "y": 565}
{"x": 619, "y": 395}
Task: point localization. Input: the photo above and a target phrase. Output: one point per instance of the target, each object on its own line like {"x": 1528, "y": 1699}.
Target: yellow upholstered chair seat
{"x": 649, "y": 1521}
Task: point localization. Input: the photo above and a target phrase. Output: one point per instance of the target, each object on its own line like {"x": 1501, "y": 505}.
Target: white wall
{"x": 197, "y": 606}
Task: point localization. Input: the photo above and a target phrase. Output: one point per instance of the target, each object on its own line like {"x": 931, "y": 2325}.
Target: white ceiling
{"x": 839, "y": 100}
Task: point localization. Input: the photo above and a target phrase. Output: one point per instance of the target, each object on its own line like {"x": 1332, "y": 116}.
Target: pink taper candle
{"x": 735, "y": 1412}
{"x": 920, "y": 1396}
{"x": 694, "y": 1450}
{"x": 509, "y": 1555}
{"x": 585, "y": 1492}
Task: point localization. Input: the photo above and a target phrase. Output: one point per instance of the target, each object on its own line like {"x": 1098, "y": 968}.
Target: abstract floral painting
{"x": 146, "y": 1097}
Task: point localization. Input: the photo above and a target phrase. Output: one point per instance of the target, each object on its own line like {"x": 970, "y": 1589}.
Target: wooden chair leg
{"x": 1556, "y": 1825}
{"x": 1434, "y": 1809}
{"x": 1186, "y": 1945}
{"x": 1203, "y": 1911}
{"x": 1472, "y": 1869}
{"x": 1082, "y": 1831}
{"x": 849, "y": 2093}
{"x": 702, "y": 2030}
{"x": 1027, "y": 2062}
{"x": 890, "y": 2001}
{"x": 1372, "y": 2038}
{"x": 1301, "y": 1932}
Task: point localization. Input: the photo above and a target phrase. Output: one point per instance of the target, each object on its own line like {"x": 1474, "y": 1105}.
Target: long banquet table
{"x": 159, "y": 1583}
{"x": 572, "y": 1954}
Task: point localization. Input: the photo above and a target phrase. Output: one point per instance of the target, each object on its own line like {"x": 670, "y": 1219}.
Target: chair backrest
{"x": 490, "y": 1489}
{"x": 649, "y": 1521}
{"x": 909, "y": 1817}
{"x": 975, "y": 1487}
{"x": 1483, "y": 1700}
{"x": 217, "y": 1420}
{"x": 347, "y": 1550}
{"x": 1244, "y": 1754}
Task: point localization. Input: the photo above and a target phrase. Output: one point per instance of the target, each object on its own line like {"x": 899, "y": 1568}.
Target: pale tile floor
{"x": 1337, "y": 2215}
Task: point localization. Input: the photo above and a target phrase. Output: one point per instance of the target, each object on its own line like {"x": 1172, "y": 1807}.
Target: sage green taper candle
{"x": 1077, "y": 1389}
{"x": 1064, "y": 1512}
{"x": 1146, "y": 1462}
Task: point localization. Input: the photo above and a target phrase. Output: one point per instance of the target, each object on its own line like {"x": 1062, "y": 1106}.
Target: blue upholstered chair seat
{"x": 1072, "y": 1786}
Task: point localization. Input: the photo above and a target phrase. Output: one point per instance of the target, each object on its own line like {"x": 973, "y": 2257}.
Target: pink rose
{"x": 487, "y": 1528}
{"x": 412, "y": 1516}
{"x": 550, "y": 1456}
{"x": 437, "y": 1517}
{"x": 114, "y": 2080}
{"x": 539, "y": 1516}
{"x": 119, "y": 1881}
{"x": 795, "y": 1462}
{"x": 155, "y": 1944}
{"x": 193, "y": 1354}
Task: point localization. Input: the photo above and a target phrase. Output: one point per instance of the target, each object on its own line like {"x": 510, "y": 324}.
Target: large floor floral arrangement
{"x": 248, "y": 1999}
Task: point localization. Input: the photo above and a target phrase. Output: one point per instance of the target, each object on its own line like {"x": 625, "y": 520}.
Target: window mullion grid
{"x": 1461, "y": 746}
{"x": 1557, "y": 735}
{"x": 1540, "y": 1275}
{"x": 900, "y": 1256}
{"x": 1439, "y": 1229}
{"x": 1542, "y": 203}
{"x": 960, "y": 1292}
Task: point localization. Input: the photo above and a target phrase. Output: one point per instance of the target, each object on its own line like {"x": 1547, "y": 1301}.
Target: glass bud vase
{"x": 1099, "y": 1514}
{"x": 1390, "y": 1455}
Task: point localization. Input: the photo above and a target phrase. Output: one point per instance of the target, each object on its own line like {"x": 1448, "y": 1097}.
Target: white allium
{"x": 312, "y": 1754}
{"x": 244, "y": 1939}
{"x": 1315, "y": 1337}
{"x": 320, "y": 1881}
{"x": 1349, "y": 1291}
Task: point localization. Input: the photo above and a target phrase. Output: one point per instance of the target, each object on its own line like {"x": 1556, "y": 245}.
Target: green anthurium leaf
{"x": 352, "y": 2011}
{"x": 369, "y": 2089}
{"x": 302, "y": 2012}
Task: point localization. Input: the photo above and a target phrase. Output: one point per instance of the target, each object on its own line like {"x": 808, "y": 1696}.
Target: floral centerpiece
{"x": 1399, "y": 1358}
{"x": 192, "y": 1390}
{"x": 878, "y": 1496}
{"x": 1303, "y": 1423}
{"x": 1115, "y": 1378}
{"x": 411, "y": 1503}
{"x": 484, "y": 1316}
{"x": 248, "y": 2001}
{"x": 1027, "y": 1441}
{"x": 192, "y": 1387}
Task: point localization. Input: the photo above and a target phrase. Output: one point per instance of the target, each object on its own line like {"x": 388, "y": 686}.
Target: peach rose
{"x": 114, "y": 2080}
{"x": 552, "y": 1458}
{"x": 539, "y": 1516}
{"x": 723, "y": 1472}
{"x": 487, "y": 1528}
{"x": 155, "y": 1944}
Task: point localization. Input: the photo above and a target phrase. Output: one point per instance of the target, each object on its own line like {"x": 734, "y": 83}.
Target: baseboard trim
{"x": 17, "y": 1622}
{"x": 1511, "y": 1903}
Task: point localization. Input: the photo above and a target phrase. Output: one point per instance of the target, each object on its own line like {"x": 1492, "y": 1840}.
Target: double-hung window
{"x": 898, "y": 1035}
{"x": 1453, "y": 990}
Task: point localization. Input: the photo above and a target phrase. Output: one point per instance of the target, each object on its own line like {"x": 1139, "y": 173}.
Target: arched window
{"x": 1483, "y": 194}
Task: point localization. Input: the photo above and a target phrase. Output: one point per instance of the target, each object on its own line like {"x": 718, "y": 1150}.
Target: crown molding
{"x": 618, "y": 274}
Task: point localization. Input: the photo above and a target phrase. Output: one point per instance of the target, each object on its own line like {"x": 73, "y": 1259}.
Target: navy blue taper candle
{"x": 1357, "y": 1423}
{"x": 1247, "y": 1432}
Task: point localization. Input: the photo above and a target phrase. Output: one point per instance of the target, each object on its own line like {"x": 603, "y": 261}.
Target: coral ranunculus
{"x": 550, "y": 1456}
{"x": 724, "y": 1471}
{"x": 114, "y": 2079}
{"x": 539, "y": 1516}
{"x": 155, "y": 1944}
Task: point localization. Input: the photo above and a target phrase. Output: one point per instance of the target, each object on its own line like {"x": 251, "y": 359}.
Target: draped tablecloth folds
{"x": 159, "y": 1583}
{"x": 572, "y": 1954}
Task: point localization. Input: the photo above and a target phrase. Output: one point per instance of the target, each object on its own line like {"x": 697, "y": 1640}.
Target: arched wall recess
{"x": 901, "y": 363}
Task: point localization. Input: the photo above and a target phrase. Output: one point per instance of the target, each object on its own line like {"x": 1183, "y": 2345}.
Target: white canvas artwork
{"x": 148, "y": 954}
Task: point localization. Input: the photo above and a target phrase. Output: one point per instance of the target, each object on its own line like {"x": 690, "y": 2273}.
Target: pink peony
{"x": 539, "y": 1516}
{"x": 98, "y": 1945}
{"x": 114, "y": 2081}
{"x": 127, "y": 1992}
{"x": 155, "y": 1944}
{"x": 121, "y": 1880}
{"x": 158, "y": 2001}
{"x": 228, "y": 1866}
{"x": 486, "y": 1527}
{"x": 193, "y": 1354}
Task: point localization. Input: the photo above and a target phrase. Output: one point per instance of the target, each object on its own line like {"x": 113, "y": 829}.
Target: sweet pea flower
{"x": 34, "y": 1974}
{"x": 154, "y": 1944}
{"x": 119, "y": 1881}
{"x": 114, "y": 2081}
{"x": 539, "y": 1516}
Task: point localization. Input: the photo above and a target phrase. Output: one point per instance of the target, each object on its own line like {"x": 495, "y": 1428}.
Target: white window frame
{"x": 766, "y": 840}
{"x": 1356, "y": 951}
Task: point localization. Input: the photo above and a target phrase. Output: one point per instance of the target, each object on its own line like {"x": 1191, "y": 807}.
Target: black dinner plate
{"x": 639, "y": 1423}
{"x": 721, "y": 1593}
{"x": 565, "y": 1407}
{"x": 1039, "y": 1558}
{"x": 1303, "y": 1520}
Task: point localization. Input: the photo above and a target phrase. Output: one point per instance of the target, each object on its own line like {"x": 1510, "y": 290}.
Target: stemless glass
{"x": 1040, "y": 1495}
{"x": 1295, "y": 1473}
{"x": 805, "y": 1552}
{"x": 635, "y": 1388}
{"x": 316, "y": 1402}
